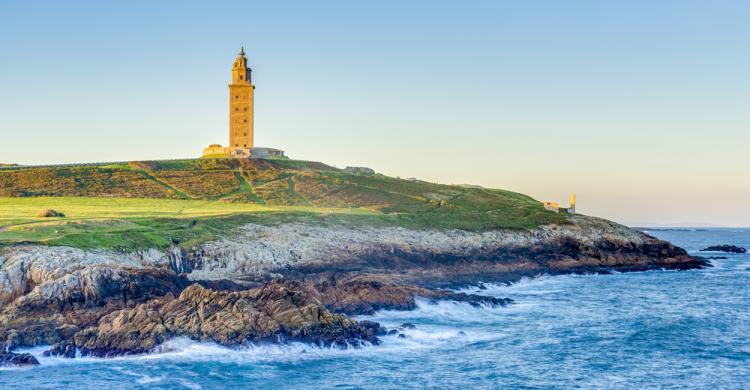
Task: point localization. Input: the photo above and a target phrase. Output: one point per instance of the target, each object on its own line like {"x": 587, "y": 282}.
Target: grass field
{"x": 160, "y": 203}
{"x": 143, "y": 223}
{"x": 16, "y": 211}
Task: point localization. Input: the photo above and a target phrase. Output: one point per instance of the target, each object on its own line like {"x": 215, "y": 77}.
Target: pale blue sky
{"x": 640, "y": 107}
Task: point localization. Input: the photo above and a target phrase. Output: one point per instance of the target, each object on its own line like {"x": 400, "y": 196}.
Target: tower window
{"x": 245, "y": 120}
{"x": 236, "y": 96}
{"x": 240, "y": 77}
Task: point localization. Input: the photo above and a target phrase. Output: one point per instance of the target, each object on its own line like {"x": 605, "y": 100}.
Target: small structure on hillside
{"x": 572, "y": 208}
{"x": 241, "y": 117}
{"x": 554, "y": 206}
{"x": 266, "y": 153}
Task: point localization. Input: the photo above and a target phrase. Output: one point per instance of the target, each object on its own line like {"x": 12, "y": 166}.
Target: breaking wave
{"x": 639, "y": 330}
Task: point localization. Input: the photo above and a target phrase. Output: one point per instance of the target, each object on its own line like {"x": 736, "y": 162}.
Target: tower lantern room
{"x": 241, "y": 73}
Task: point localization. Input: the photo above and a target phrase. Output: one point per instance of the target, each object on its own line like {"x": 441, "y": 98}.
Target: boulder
{"x": 48, "y": 213}
{"x": 8, "y": 358}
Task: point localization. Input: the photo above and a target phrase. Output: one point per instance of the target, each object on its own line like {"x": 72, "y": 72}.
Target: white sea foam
{"x": 437, "y": 324}
{"x": 147, "y": 379}
{"x": 539, "y": 285}
{"x": 182, "y": 349}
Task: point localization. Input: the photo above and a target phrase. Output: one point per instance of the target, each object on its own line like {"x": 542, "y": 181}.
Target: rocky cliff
{"x": 290, "y": 281}
{"x": 429, "y": 258}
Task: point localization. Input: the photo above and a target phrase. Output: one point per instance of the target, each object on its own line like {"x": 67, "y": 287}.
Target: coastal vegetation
{"x": 161, "y": 203}
{"x": 116, "y": 259}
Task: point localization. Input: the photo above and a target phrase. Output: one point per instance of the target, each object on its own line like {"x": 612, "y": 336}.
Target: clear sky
{"x": 640, "y": 107}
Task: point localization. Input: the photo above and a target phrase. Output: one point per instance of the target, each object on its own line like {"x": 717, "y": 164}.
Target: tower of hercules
{"x": 241, "y": 104}
{"x": 241, "y": 109}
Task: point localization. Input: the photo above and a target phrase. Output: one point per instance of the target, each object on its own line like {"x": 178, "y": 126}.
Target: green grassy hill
{"x": 159, "y": 203}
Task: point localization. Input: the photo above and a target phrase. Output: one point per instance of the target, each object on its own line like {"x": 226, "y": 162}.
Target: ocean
{"x": 688, "y": 329}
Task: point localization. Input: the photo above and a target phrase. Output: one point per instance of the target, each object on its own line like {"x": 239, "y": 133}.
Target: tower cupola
{"x": 241, "y": 73}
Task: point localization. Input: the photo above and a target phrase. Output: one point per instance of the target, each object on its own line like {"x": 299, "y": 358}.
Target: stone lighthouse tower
{"x": 241, "y": 104}
{"x": 241, "y": 143}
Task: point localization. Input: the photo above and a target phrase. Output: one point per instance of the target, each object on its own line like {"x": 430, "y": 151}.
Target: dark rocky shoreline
{"x": 105, "y": 304}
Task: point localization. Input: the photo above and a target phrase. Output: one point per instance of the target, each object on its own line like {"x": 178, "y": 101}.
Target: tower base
{"x": 218, "y": 151}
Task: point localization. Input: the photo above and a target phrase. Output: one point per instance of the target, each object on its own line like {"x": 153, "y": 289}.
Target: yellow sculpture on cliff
{"x": 554, "y": 206}
{"x": 572, "y": 208}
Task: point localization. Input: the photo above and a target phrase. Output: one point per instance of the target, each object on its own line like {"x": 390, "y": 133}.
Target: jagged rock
{"x": 64, "y": 349}
{"x": 62, "y": 270}
{"x": 363, "y": 296}
{"x": 472, "y": 299}
{"x": 354, "y": 294}
{"x": 374, "y": 326}
{"x": 8, "y": 358}
{"x": 44, "y": 306}
{"x": 725, "y": 248}
{"x": 275, "y": 312}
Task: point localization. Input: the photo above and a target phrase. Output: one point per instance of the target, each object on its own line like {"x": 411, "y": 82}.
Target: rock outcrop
{"x": 432, "y": 258}
{"x": 274, "y": 312}
{"x": 365, "y": 295}
{"x": 57, "y": 307}
{"x": 725, "y": 248}
{"x": 8, "y": 358}
{"x": 47, "y": 213}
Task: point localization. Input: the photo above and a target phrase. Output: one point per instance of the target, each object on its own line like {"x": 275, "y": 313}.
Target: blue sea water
{"x": 635, "y": 330}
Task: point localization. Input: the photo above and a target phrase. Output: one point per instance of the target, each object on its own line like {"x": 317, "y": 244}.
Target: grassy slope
{"x": 156, "y": 204}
